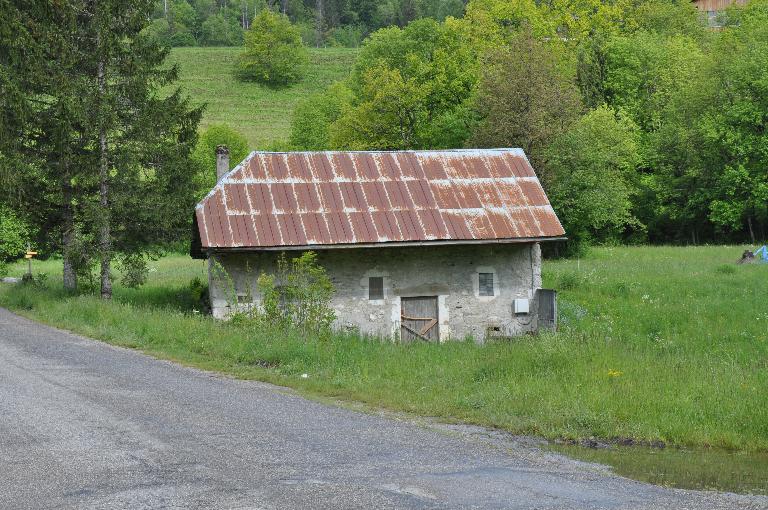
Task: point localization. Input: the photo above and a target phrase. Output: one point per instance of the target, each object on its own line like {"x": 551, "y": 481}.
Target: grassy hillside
{"x": 262, "y": 114}
{"x": 656, "y": 344}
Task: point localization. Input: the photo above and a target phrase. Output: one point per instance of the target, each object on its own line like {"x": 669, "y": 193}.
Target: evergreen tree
{"x": 95, "y": 157}
{"x": 141, "y": 140}
{"x": 41, "y": 114}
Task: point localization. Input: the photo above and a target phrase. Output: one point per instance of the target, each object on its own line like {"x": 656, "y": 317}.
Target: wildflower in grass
{"x": 614, "y": 373}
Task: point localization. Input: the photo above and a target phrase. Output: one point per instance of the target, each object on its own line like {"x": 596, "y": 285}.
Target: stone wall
{"x": 449, "y": 272}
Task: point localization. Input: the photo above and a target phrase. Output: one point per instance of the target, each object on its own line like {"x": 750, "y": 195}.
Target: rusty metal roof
{"x": 332, "y": 199}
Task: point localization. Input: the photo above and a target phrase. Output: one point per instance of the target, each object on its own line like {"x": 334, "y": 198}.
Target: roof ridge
{"x": 516, "y": 150}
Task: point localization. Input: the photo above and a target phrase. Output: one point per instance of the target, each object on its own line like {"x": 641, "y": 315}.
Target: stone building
{"x": 431, "y": 245}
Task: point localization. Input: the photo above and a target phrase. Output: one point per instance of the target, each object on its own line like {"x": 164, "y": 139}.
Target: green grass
{"x": 688, "y": 340}
{"x": 262, "y": 114}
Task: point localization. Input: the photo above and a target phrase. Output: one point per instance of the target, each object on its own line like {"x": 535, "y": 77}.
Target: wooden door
{"x": 547, "y": 300}
{"x": 418, "y": 319}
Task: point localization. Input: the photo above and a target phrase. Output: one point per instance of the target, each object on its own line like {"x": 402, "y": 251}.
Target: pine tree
{"x": 141, "y": 139}
{"x": 88, "y": 145}
{"x": 40, "y": 119}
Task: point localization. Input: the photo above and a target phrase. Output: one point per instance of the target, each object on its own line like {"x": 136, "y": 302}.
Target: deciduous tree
{"x": 410, "y": 89}
{"x": 274, "y": 53}
{"x": 734, "y": 124}
{"x": 593, "y": 176}
{"x": 314, "y": 115}
{"x": 526, "y": 97}
{"x": 204, "y": 154}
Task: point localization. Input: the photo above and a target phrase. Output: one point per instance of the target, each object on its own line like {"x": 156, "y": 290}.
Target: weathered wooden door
{"x": 418, "y": 319}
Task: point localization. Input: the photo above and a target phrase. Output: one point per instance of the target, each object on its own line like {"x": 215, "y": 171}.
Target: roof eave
{"x": 392, "y": 244}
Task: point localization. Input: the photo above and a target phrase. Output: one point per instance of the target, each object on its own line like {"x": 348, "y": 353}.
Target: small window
{"x": 376, "y": 287}
{"x": 486, "y": 284}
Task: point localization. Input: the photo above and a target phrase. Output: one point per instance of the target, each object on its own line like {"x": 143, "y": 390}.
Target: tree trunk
{"x": 751, "y": 230}
{"x": 68, "y": 237}
{"x": 105, "y": 238}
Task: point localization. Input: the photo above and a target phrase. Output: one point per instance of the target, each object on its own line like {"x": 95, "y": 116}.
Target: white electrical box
{"x": 521, "y": 305}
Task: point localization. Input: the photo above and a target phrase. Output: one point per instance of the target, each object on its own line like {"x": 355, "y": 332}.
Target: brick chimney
{"x": 222, "y": 161}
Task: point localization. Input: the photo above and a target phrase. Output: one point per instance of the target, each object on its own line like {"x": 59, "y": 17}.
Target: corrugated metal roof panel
{"x": 274, "y": 200}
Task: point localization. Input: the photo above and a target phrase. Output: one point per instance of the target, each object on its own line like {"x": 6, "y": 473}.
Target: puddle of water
{"x": 704, "y": 469}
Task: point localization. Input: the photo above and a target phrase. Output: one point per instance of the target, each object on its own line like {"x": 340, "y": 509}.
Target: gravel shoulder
{"x": 87, "y": 425}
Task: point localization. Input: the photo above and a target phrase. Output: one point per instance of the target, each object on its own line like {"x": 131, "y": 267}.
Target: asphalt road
{"x": 87, "y": 425}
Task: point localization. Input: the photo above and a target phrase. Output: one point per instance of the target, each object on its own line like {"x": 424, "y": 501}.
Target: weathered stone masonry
{"x": 450, "y": 272}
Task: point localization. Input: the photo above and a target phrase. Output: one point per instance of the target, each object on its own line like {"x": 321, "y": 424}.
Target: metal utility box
{"x": 547, "y": 304}
{"x": 521, "y": 305}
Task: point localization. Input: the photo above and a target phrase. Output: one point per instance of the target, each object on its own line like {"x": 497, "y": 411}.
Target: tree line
{"x": 643, "y": 124}
{"x": 320, "y": 22}
{"x": 94, "y": 160}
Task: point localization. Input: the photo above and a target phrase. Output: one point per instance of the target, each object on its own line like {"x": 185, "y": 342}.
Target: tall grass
{"x": 655, "y": 344}
{"x": 262, "y": 114}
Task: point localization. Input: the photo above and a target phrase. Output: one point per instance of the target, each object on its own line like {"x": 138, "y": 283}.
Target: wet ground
{"x": 697, "y": 469}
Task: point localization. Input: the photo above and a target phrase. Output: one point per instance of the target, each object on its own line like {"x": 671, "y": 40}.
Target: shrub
{"x": 198, "y": 291}
{"x": 82, "y": 253}
{"x": 159, "y": 30}
{"x": 308, "y": 32}
{"x": 274, "y": 53}
{"x": 314, "y": 114}
{"x": 182, "y": 38}
{"x": 133, "y": 269}
{"x": 568, "y": 280}
{"x": 204, "y": 154}
{"x": 298, "y": 295}
{"x": 39, "y": 281}
{"x": 14, "y": 235}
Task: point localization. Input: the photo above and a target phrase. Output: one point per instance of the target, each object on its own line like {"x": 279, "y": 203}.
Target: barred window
{"x": 376, "y": 287}
{"x": 486, "y": 284}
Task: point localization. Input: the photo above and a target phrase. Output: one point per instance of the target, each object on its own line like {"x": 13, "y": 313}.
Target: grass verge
{"x": 656, "y": 344}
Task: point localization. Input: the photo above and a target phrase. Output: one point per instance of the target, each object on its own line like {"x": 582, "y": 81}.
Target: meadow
{"x": 262, "y": 114}
{"x": 656, "y": 344}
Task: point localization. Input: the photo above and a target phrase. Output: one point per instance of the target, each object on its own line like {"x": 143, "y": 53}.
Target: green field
{"x": 261, "y": 114}
{"x": 656, "y": 344}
